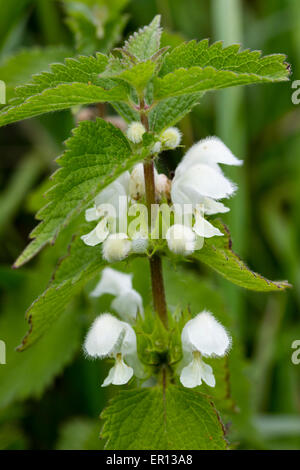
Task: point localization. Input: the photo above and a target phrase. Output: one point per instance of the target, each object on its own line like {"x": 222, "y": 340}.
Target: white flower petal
{"x": 192, "y": 375}
{"x": 181, "y": 239}
{"x": 209, "y": 151}
{"x": 112, "y": 282}
{"x": 205, "y": 229}
{"x": 214, "y": 207}
{"x": 128, "y": 304}
{"x": 91, "y": 214}
{"x": 91, "y": 238}
{"x": 205, "y": 334}
{"x": 198, "y": 181}
{"x": 112, "y": 193}
{"x": 207, "y": 375}
{"x": 102, "y": 229}
{"x": 119, "y": 374}
{"x": 103, "y": 336}
{"x": 129, "y": 341}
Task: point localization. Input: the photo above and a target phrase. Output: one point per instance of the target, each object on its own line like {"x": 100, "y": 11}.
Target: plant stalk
{"x": 157, "y": 281}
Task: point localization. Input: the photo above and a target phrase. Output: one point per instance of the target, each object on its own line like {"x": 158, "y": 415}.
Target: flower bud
{"x": 163, "y": 186}
{"x": 139, "y": 244}
{"x": 171, "y": 137}
{"x": 135, "y": 132}
{"x": 116, "y": 247}
{"x": 156, "y": 147}
{"x": 181, "y": 239}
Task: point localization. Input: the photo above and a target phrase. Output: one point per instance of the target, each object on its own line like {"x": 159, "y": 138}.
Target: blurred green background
{"x": 50, "y": 396}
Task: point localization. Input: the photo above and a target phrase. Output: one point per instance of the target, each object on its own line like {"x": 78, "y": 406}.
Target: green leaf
{"x": 82, "y": 69}
{"x": 171, "y": 110}
{"x": 18, "y": 68}
{"x": 127, "y": 113}
{"x": 217, "y": 253}
{"x": 177, "y": 419}
{"x": 75, "y": 270}
{"x": 192, "y": 67}
{"x": 61, "y": 97}
{"x": 144, "y": 43}
{"x": 184, "y": 81}
{"x": 201, "y": 54}
{"x": 74, "y": 83}
{"x": 139, "y": 75}
{"x": 95, "y": 155}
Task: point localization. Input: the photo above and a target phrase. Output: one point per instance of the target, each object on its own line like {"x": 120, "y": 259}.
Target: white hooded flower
{"x": 202, "y": 336}
{"x": 135, "y": 132}
{"x": 170, "y": 138}
{"x": 199, "y": 182}
{"x": 116, "y": 247}
{"x": 127, "y": 302}
{"x": 107, "y": 207}
{"x": 181, "y": 239}
{"x": 110, "y": 337}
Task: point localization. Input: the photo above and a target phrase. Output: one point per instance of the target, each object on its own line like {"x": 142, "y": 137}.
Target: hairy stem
{"x": 158, "y": 290}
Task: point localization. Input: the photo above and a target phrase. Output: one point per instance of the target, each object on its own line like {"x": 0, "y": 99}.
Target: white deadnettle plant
{"x": 128, "y": 302}
{"x": 203, "y": 336}
{"x": 110, "y": 337}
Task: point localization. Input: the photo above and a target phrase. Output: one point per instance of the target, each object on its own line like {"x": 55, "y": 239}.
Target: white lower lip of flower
{"x": 119, "y": 374}
{"x": 204, "y": 229}
{"x": 214, "y": 207}
{"x": 192, "y": 375}
{"x": 97, "y": 235}
{"x": 181, "y": 239}
{"x": 205, "y": 334}
{"x": 116, "y": 247}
